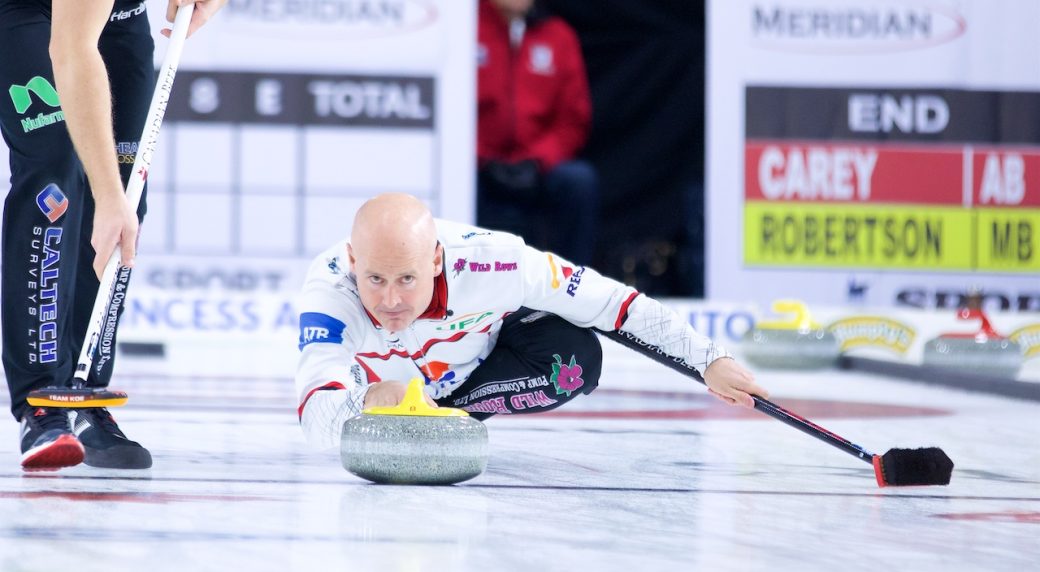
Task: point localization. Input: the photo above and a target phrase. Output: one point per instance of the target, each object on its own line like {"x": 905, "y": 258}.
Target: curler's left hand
{"x": 732, "y": 383}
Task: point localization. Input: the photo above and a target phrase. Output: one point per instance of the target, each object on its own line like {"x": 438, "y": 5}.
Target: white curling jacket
{"x": 486, "y": 276}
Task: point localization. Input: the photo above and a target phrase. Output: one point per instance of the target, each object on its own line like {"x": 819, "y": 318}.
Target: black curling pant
{"x": 540, "y": 362}
{"x": 47, "y": 283}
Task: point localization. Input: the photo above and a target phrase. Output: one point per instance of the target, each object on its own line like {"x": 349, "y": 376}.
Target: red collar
{"x": 438, "y": 308}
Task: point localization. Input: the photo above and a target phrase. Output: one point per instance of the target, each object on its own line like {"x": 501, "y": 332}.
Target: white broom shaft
{"x": 135, "y": 186}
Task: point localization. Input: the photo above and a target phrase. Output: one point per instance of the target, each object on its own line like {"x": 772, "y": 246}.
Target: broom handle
{"x": 111, "y": 286}
{"x": 762, "y": 404}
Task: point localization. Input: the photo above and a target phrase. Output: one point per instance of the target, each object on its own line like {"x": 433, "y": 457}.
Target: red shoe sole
{"x": 65, "y": 451}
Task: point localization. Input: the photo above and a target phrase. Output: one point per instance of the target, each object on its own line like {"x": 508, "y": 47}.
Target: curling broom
{"x": 897, "y": 467}
{"x": 111, "y": 291}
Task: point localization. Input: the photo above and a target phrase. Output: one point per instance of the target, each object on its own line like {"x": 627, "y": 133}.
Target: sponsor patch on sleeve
{"x": 318, "y": 328}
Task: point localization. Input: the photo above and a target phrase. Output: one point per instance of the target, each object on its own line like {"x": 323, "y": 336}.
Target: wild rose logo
{"x": 566, "y": 377}
{"x": 459, "y": 266}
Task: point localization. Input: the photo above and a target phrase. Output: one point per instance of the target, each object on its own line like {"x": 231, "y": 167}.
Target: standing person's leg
{"x": 540, "y": 362}
{"x": 127, "y": 48}
{"x": 41, "y": 223}
{"x": 573, "y": 195}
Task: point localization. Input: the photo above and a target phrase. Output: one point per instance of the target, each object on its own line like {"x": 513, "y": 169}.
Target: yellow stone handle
{"x": 414, "y": 404}
{"x": 799, "y": 317}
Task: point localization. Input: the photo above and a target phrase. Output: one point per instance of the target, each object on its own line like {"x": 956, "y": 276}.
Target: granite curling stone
{"x": 413, "y": 443}
{"x": 796, "y": 343}
{"x": 985, "y": 353}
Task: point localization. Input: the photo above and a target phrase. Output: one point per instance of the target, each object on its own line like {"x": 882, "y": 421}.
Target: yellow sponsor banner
{"x": 873, "y": 331}
{"x": 1009, "y": 239}
{"x": 1028, "y": 338}
{"x": 857, "y": 235}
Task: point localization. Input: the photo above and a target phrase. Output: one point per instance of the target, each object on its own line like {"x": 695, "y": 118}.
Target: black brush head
{"x": 908, "y": 467}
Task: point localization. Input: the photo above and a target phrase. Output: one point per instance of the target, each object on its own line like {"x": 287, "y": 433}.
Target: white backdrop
{"x": 874, "y": 152}
{"x": 285, "y": 116}
{"x": 290, "y": 113}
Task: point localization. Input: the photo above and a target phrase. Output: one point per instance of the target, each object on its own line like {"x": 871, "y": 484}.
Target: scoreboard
{"x": 874, "y": 152}
{"x": 884, "y": 178}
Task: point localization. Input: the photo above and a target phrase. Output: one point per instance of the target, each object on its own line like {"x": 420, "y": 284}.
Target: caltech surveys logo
{"x": 356, "y": 19}
{"x": 850, "y": 26}
{"x": 52, "y": 202}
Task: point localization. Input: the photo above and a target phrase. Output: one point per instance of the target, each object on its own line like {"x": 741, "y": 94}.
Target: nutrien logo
{"x": 52, "y": 202}
{"x": 855, "y": 27}
{"x": 21, "y": 97}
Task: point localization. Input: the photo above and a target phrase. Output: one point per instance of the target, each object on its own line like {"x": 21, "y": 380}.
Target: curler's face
{"x": 395, "y": 280}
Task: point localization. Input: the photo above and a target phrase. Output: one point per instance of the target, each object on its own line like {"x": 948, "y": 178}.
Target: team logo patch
{"x": 437, "y": 371}
{"x": 566, "y": 377}
{"x": 465, "y": 322}
{"x": 52, "y": 202}
{"x": 333, "y": 265}
{"x": 459, "y": 266}
{"x": 570, "y": 275}
{"x": 1028, "y": 338}
{"x": 556, "y": 271}
{"x": 317, "y": 328}
{"x": 541, "y": 59}
{"x": 873, "y": 331}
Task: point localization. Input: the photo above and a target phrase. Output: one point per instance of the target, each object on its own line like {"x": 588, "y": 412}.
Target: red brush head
{"x": 909, "y": 467}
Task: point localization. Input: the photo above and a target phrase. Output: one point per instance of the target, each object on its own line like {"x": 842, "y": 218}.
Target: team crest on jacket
{"x": 333, "y": 265}
{"x": 463, "y": 264}
{"x": 437, "y": 371}
{"x": 542, "y": 59}
{"x": 318, "y": 328}
{"x": 570, "y": 276}
{"x": 459, "y": 266}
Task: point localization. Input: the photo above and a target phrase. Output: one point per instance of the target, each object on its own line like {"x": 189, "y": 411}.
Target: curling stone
{"x": 984, "y": 352}
{"x": 796, "y": 343}
{"x": 413, "y": 443}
